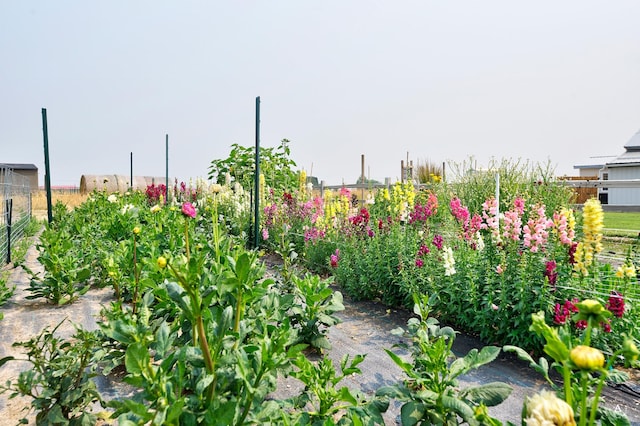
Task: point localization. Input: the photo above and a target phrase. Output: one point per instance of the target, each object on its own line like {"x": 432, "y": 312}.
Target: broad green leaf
{"x": 346, "y": 396}
{"x": 459, "y": 407}
{"x": 490, "y": 394}
{"x": 411, "y": 413}
{"x": 136, "y": 358}
{"x": 542, "y": 367}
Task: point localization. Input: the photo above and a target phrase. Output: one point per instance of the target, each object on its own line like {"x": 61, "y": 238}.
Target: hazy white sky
{"x": 441, "y": 80}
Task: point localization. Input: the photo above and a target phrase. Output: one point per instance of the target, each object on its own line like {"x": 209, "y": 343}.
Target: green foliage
{"x": 65, "y": 277}
{"x": 313, "y": 312}
{"x": 535, "y": 183}
{"x": 330, "y": 404}
{"x": 6, "y": 291}
{"x": 59, "y": 380}
{"x": 431, "y": 393}
{"x": 275, "y": 165}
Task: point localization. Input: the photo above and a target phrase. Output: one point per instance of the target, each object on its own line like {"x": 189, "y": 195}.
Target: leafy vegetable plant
{"x": 431, "y": 393}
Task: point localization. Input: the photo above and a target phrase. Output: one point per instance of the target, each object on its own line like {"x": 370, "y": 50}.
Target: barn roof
{"x": 19, "y": 166}
{"x": 631, "y": 156}
{"x": 634, "y": 143}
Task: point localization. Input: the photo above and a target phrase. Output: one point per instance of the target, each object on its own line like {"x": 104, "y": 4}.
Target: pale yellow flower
{"x": 546, "y": 409}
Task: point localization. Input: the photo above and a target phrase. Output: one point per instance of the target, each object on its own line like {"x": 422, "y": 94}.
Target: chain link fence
{"x": 15, "y": 208}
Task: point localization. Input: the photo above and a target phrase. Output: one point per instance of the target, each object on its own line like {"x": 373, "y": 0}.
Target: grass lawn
{"x": 622, "y": 224}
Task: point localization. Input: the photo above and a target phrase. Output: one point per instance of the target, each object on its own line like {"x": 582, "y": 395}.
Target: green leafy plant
{"x": 275, "y": 164}
{"x": 65, "y": 277}
{"x": 313, "y": 312}
{"x": 330, "y": 404}
{"x": 431, "y": 394}
{"x": 59, "y": 380}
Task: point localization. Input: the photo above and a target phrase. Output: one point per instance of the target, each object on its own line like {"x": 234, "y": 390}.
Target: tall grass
{"x": 70, "y": 199}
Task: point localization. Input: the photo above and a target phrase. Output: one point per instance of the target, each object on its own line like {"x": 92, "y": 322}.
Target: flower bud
{"x": 630, "y": 350}
{"x": 136, "y": 230}
{"x": 586, "y": 357}
{"x": 590, "y": 306}
{"x": 162, "y": 262}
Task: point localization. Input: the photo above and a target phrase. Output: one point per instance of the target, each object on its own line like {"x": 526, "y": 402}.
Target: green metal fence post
{"x": 47, "y": 172}
{"x": 256, "y": 181}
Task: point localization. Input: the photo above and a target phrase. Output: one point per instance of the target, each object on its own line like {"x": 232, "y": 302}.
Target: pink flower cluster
{"x": 460, "y": 212}
{"x": 565, "y": 234}
{"x": 313, "y": 234}
{"x": 422, "y": 212}
{"x": 536, "y": 231}
{"x": 422, "y": 251}
{"x": 490, "y": 216}
{"x": 188, "y": 210}
{"x": 333, "y": 259}
{"x": 470, "y": 224}
{"x": 512, "y": 221}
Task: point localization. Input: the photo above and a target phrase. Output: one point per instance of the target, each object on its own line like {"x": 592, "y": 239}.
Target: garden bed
{"x": 365, "y": 329}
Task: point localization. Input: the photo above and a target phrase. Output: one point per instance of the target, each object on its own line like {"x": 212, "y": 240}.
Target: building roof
{"x": 634, "y": 143}
{"x": 631, "y": 156}
{"x": 596, "y": 162}
{"x": 18, "y": 166}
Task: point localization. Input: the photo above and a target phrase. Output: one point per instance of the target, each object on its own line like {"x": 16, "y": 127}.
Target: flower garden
{"x": 203, "y": 332}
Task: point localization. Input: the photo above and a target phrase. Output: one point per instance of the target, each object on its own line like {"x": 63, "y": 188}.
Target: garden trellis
{"x": 15, "y": 204}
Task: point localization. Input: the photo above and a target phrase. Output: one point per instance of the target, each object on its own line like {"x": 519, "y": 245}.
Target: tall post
{"x": 362, "y": 177}
{"x": 256, "y": 181}
{"x": 166, "y": 171}
{"x": 47, "y": 171}
{"x": 9, "y": 209}
{"x": 131, "y": 172}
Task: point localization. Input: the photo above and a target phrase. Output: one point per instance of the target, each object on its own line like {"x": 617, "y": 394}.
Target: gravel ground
{"x": 365, "y": 329}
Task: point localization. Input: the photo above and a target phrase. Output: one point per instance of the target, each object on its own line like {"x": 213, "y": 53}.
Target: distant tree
{"x": 367, "y": 181}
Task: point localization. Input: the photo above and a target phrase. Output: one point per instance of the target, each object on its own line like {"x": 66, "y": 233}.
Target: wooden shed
{"x": 28, "y": 171}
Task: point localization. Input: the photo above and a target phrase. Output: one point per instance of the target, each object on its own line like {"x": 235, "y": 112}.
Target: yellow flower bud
{"x": 162, "y": 262}
{"x": 586, "y": 357}
{"x": 590, "y": 306}
{"x": 136, "y": 230}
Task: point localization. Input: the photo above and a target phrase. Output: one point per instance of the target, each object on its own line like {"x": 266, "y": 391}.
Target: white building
{"x": 624, "y": 167}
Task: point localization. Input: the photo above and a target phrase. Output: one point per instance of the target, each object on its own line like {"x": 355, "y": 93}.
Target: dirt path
{"x": 365, "y": 329}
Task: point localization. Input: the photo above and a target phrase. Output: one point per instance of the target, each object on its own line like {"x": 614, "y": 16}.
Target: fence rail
{"x": 15, "y": 208}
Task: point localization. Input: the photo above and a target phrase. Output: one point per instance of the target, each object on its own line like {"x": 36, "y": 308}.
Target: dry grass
{"x": 70, "y": 199}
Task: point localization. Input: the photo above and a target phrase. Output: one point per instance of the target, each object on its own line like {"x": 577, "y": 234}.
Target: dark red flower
{"x": 616, "y": 304}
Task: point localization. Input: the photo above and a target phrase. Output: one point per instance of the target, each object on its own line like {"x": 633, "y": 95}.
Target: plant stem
{"x": 566, "y": 376}
{"x": 206, "y": 353}
{"x": 135, "y": 276}
{"x": 583, "y": 400}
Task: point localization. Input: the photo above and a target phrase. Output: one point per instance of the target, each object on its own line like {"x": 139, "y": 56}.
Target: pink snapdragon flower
{"x": 333, "y": 259}
{"x": 536, "y": 231}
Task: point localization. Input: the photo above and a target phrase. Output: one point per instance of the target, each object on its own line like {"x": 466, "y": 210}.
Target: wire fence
{"x": 15, "y": 208}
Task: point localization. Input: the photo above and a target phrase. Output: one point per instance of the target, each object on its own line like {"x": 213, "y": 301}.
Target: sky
{"x": 545, "y": 82}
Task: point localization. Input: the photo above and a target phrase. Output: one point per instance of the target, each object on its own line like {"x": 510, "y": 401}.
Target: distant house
{"x": 624, "y": 167}
{"x": 590, "y": 168}
{"x": 29, "y": 171}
